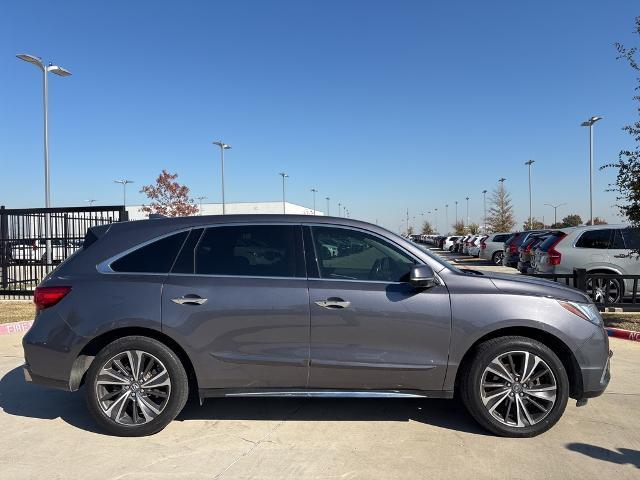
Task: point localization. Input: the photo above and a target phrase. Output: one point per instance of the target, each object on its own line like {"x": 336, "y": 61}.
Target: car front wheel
{"x": 497, "y": 258}
{"x": 136, "y": 386}
{"x": 515, "y": 387}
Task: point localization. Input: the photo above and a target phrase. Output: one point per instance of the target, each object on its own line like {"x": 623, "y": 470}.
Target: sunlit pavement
{"x": 48, "y": 434}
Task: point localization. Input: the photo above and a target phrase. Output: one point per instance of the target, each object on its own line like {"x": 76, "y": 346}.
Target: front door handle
{"x": 622, "y": 255}
{"x": 189, "y": 299}
{"x": 333, "y": 302}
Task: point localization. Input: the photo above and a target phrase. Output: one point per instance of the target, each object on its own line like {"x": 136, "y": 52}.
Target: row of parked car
{"x": 605, "y": 249}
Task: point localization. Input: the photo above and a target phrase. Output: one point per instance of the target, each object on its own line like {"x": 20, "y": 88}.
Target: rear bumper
{"x": 31, "y": 377}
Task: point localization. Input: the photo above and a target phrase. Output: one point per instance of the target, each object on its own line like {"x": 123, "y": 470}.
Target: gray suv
{"x": 272, "y": 305}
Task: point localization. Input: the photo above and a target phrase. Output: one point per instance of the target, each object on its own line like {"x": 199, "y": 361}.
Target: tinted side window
{"x": 185, "y": 261}
{"x": 617, "y": 242}
{"x": 595, "y": 239}
{"x": 156, "y": 257}
{"x": 251, "y": 250}
{"x": 631, "y": 238}
{"x": 500, "y": 238}
{"x": 353, "y": 255}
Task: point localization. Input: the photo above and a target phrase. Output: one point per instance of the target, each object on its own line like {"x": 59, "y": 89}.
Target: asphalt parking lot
{"x": 49, "y": 434}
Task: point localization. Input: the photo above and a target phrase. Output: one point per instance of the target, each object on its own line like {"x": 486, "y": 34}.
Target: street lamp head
{"x": 123, "y": 181}
{"x": 284, "y": 174}
{"x": 530, "y": 162}
{"x": 62, "y": 72}
{"x": 591, "y": 121}
{"x": 484, "y": 191}
{"x": 501, "y": 180}
{"x": 222, "y": 145}
{"x": 37, "y": 61}
{"x": 313, "y": 190}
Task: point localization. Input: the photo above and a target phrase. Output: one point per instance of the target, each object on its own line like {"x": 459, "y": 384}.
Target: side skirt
{"x": 322, "y": 393}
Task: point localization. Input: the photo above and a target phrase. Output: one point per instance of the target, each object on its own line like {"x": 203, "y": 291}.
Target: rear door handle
{"x": 622, "y": 255}
{"x": 189, "y": 299}
{"x": 333, "y": 302}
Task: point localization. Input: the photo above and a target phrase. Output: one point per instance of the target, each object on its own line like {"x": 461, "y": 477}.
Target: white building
{"x": 135, "y": 212}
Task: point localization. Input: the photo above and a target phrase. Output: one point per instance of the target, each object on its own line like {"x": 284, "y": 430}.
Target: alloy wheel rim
{"x": 599, "y": 288}
{"x": 133, "y": 388}
{"x": 518, "y": 389}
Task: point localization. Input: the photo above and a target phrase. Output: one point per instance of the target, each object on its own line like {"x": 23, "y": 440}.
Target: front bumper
{"x": 595, "y": 380}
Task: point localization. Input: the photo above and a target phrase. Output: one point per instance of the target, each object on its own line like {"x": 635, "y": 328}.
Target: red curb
{"x": 15, "y": 327}
{"x": 624, "y": 334}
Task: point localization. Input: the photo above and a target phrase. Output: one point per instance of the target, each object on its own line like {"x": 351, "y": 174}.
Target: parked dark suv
{"x": 275, "y": 305}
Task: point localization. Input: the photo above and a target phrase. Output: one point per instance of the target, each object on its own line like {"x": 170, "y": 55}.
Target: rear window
{"x": 511, "y": 239}
{"x": 155, "y": 257}
{"x": 501, "y": 238}
{"x": 599, "y": 239}
{"x": 550, "y": 240}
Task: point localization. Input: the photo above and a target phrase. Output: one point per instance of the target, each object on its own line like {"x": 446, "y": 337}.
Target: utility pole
{"x": 484, "y": 202}
{"x": 313, "y": 190}
{"x": 200, "y": 198}
{"x": 124, "y": 184}
{"x": 283, "y": 175}
{"x": 223, "y": 146}
{"x": 327, "y": 198}
{"x": 456, "y": 202}
{"x": 589, "y": 123}
{"x": 468, "y": 222}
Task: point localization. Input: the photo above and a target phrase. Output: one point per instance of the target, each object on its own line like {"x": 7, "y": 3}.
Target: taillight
{"x": 553, "y": 255}
{"x": 513, "y": 248}
{"x": 45, "y": 297}
{"x": 527, "y": 249}
{"x": 483, "y": 245}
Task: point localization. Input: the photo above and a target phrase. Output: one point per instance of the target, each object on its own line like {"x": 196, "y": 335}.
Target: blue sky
{"x": 382, "y": 106}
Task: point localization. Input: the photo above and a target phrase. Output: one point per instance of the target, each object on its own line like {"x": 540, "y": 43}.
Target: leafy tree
{"x": 597, "y": 221}
{"x": 532, "y": 224}
{"x": 168, "y": 197}
{"x": 427, "y": 229}
{"x": 473, "y": 228}
{"x": 572, "y": 220}
{"x": 558, "y": 225}
{"x": 409, "y": 231}
{"x": 627, "y": 183}
{"x": 500, "y": 218}
{"x": 459, "y": 228}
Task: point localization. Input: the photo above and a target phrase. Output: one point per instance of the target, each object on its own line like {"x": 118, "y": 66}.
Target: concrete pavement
{"x": 49, "y": 434}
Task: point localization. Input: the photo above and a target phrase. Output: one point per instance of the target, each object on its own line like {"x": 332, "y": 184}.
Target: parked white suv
{"x": 449, "y": 242}
{"x": 605, "y": 249}
{"x": 492, "y": 247}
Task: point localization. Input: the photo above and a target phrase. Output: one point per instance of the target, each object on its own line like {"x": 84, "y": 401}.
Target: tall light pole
{"x": 283, "y": 175}
{"x": 339, "y": 209}
{"x": 555, "y": 210}
{"x": 468, "y": 222}
{"x": 62, "y": 72}
{"x": 456, "y": 202}
{"x": 436, "y": 227}
{"x": 327, "y": 198}
{"x": 91, "y": 201}
{"x": 589, "y": 123}
{"x": 200, "y": 198}
{"x": 446, "y": 216}
{"x": 529, "y": 163}
{"x": 484, "y": 207}
{"x": 223, "y": 146}
{"x": 124, "y": 184}
{"x": 314, "y": 191}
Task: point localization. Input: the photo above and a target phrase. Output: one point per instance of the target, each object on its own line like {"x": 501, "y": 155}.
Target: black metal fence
{"x": 605, "y": 289}
{"x": 34, "y": 240}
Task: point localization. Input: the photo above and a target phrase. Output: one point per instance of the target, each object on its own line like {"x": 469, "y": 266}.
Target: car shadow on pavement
{"x": 27, "y": 400}
{"x": 449, "y": 414}
{"x": 620, "y": 456}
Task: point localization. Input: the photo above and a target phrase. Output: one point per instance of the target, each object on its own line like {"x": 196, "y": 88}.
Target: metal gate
{"x": 33, "y": 241}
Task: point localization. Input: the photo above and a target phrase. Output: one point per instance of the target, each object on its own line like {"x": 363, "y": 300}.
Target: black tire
{"x": 471, "y": 379}
{"x": 177, "y": 398}
{"x": 497, "y": 257}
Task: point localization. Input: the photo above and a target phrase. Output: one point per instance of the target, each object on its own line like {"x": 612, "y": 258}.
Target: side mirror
{"x": 422, "y": 276}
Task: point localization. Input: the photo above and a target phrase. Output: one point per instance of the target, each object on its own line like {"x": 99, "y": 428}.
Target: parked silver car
{"x": 492, "y": 247}
{"x": 598, "y": 249}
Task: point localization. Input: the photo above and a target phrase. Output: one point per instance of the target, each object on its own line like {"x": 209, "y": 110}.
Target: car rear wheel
{"x": 136, "y": 386}
{"x": 496, "y": 258}
{"x": 515, "y": 387}
{"x": 600, "y": 288}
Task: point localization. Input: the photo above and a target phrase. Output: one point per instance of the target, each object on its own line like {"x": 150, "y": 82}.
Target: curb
{"x": 15, "y": 327}
{"x": 623, "y": 334}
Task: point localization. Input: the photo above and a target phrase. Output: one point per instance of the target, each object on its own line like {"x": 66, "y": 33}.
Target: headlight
{"x": 586, "y": 311}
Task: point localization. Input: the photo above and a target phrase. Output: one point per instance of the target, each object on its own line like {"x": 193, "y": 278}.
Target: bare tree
{"x": 427, "y": 229}
{"x": 500, "y": 217}
{"x": 459, "y": 228}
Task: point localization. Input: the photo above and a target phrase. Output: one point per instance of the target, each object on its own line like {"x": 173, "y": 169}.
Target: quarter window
{"x": 251, "y": 250}
{"x": 156, "y": 257}
{"x": 595, "y": 239}
{"x": 353, "y": 255}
